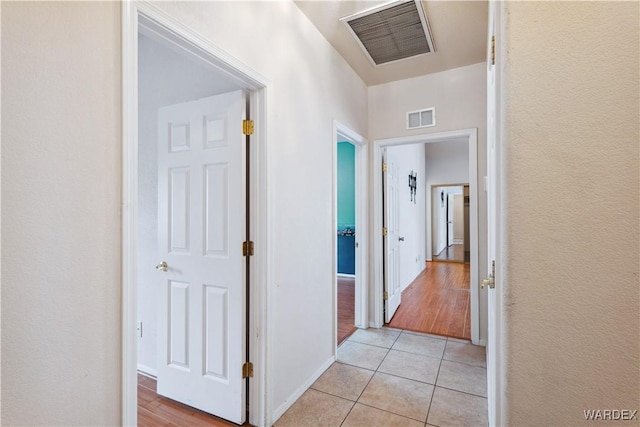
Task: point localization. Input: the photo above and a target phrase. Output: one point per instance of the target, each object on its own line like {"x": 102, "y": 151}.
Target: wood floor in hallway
{"x": 156, "y": 410}
{"x": 437, "y": 302}
{"x": 346, "y": 307}
{"x": 453, "y": 253}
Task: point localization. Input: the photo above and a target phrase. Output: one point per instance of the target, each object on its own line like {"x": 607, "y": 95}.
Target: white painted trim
{"x": 458, "y": 241}
{"x": 162, "y": 25}
{"x": 300, "y": 390}
{"x": 147, "y": 375}
{"x": 346, "y": 276}
{"x": 147, "y": 370}
{"x": 129, "y": 212}
{"x": 377, "y": 261}
{"x": 341, "y": 133}
{"x": 496, "y": 374}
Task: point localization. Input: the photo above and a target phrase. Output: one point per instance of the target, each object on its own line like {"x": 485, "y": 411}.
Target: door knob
{"x": 163, "y": 266}
{"x": 401, "y": 239}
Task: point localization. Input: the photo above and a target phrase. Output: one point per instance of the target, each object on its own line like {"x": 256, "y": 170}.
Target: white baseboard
{"x": 481, "y": 343}
{"x": 300, "y": 391}
{"x": 144, "y": 369}
{"x": 350, "y": 276}
{"x": 458, "y": 241}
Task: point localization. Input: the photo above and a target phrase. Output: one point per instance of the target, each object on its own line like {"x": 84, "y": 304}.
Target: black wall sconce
{"x": 413, "y": 184}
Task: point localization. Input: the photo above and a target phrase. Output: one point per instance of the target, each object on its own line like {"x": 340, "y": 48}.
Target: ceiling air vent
{"x": 391, "y": 32}
{"x": 421, "y": 118}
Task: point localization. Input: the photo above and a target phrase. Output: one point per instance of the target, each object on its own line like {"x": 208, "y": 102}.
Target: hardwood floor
{"x": 437, "y": 302}
{"x": 346, "y": 307}
{"x": 453, "y": 253}
{"x": 156, "y": 410}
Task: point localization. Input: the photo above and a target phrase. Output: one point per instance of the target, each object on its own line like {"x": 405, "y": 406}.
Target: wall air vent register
{"x": 392, "y": 32}
{"x": 421, "y": 118}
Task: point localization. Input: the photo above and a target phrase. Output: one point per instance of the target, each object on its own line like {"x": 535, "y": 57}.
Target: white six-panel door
{"x": 392, "y": 239}
{"x": 201, "y": 223}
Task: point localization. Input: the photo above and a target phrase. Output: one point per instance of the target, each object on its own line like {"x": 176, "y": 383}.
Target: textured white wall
{"x": 571, "y": 210}
{"x": 311, "y": 85}
{"x": 61, "y": 213}
{"x": 412, "y": 215}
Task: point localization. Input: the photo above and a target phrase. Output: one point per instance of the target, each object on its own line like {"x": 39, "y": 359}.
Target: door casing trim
{"x": 376, "y": 266}
{"x": 342, "y": 132}
{"x": 137, "y": 15}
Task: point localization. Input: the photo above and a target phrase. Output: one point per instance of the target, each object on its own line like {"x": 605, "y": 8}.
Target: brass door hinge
{"x": 490, "y": 282}
{"x": 384, "y": 231}
{"x": 493, "y": 50}
{"x": 385, "y": 295}
{"x": 384, "y": 167}
{"x": 247, "y": 248}
{"x": 247, "y": 127}
{"x": 247, "y": 370}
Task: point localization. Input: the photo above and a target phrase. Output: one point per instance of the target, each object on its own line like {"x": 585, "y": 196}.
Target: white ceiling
{"x": 459, "y": 30}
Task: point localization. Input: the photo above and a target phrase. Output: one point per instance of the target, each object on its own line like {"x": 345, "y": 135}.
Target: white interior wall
{"x": 460, "y": 100}
{"x": 62, "y": 149}
{"x": 458, "y": 218}
{"x": 570, "y": 268}
{"x": 61, "y": 199}
{"x": 164, "y": 78}
{"x": 446, "y": 163}
{"x": 412, "y": 215}
{"x": 311, "y": 86}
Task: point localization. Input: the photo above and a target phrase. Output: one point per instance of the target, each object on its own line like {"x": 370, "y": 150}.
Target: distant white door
{"x": 450, "y": 218}
{"x": 392, "y": 238}
{"x": 201, "y": 222}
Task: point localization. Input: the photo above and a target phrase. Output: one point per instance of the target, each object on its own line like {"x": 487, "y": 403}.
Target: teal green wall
{"x": 346, "y": 184}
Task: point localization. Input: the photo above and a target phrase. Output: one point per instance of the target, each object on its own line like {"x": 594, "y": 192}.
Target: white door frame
{"x": 495, "y": 225}
{"x": 472, "y": 136}
{"x": 341, "y": 133}
{"x": 145, "y": 15}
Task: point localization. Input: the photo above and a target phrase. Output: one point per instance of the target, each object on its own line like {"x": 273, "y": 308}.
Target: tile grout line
{"x": 368, "y": 382}
{"x": 390, "y": 412}
{"x": 463, "y": 392}
{"x": 436, "y": 383}
{"x": 397, "y": 376}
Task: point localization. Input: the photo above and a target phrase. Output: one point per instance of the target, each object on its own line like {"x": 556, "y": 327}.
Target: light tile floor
{"x": 389, "y": 377}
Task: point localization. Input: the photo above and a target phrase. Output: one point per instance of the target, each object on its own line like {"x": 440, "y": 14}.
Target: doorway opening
{"x": 350, "y": 231}
{"x": 190, "y": 300}
{"x": 450, "y": 240}
{"x": 468, "y": 137}
{"x": 346, "y": 235}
